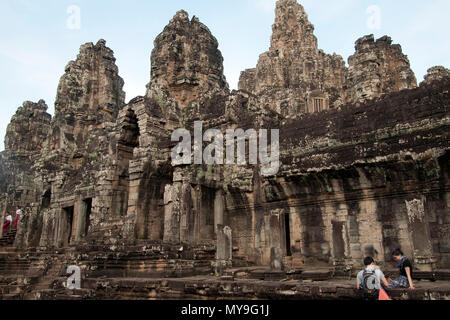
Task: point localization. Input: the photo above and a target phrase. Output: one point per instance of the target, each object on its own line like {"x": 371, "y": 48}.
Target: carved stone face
{"x": 367, "y": 89}
{"x": 184, "y": 73}
{"x": 186, "y": 62}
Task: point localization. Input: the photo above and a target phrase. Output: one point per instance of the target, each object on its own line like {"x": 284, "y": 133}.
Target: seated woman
{"x": 18, "y": 215}
{"x": 7, "y": 223}
{"x": 404, "y": 280}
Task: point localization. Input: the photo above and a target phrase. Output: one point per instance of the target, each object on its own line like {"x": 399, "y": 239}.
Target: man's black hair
{"x": 368, "y": 261}
{"x": 397, "y": 252}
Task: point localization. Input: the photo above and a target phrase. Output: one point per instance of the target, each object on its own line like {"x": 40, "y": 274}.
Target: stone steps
{"x": 123, "y": 287}
{"x": 8, "y": 239}
{"x": 213, "y": 288}
{"x": 14, "y": 265}
{"x": 12, "y": 296}
{"x": 443, "y": 275}
{"x": 148, "y": 260}
{"x": 265, "y": 274}
{"x": 150, "y": 273}
{"x": 149, "y": 268}
{"x": 14, "y": 288}
{"x": 8, "y": 289}
{"x": 63, "y": 294}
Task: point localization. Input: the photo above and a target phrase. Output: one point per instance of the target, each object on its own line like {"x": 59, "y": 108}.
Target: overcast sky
{"x": 39, "y": 37}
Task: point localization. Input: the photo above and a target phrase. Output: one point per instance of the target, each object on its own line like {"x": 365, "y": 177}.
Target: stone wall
{"x": 358, "y": 177}
{"x": 346, "y": 180}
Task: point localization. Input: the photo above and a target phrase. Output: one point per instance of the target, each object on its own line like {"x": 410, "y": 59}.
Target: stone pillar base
{"x": 342, "y": 267}
{"x": 220, "y": 266}
{"x": 425, "y": 263}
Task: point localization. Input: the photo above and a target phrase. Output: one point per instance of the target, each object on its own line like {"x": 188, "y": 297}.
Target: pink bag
{"x": 383, "y": 295}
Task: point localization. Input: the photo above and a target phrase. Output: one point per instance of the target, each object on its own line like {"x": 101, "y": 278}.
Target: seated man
{"x": 370, "y": 280}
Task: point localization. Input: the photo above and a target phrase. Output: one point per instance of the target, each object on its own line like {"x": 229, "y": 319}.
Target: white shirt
{"x": 9, "y": 218}
{"x": 378, "y": 274}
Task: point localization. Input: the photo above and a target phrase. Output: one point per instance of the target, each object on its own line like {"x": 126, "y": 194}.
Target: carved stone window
{"x": 319, "y": 104}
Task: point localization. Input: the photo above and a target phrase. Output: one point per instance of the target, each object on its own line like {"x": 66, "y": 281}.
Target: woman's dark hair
{"x": 368, "y": 261}
{"x": 397, "y": 252}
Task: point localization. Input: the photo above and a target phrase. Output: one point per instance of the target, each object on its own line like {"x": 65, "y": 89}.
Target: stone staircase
{"x": 41, "y": 274}
{"x": 8, "y": 238}
{"x": 147, "y": 261}
{"x": 48, "y": 279}
{"x": 153, "y": 270}
{"x": 19, "y": 273}
{"x": 14, "y": 287}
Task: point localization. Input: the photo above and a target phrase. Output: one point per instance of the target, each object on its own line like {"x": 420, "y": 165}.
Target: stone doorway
{"x": 66, "y": 225}
{"x": 207, "y": 212}
{"x": 287, "y": 231}
{"x": 150, "y": 211}
{"x": 279, "y": 238}
{"x": 46, "y": 199}
{"x": 127, "y": 143}
{"x": 338, "y": 240}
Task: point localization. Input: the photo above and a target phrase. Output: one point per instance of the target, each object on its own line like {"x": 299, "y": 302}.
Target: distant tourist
{"x": 8, "y": 221}
{"x": 18, "y": 216}
{"x": 404, "y": 280}
{"x": 370, "y": 280}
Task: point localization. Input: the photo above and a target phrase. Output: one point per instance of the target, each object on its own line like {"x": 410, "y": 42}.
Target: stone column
{"x": 420, "y": 235}
{"x": 224, "y": 250}
{"x": 339, "y": 245}
{"x": 172, "y": 213}
{"x": 61, "y": 228}
{"x": 224, "y": 243}
{"x": 276, "y": 240}
{"x": 218, "y": 209}
{"x": 81, "y": 220}
{"x": 187, "y": 219}
{"x": 136, "y": 171}
{"x": 196, "y": 197}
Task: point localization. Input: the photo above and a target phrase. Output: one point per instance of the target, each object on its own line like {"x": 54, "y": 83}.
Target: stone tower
{"x": 294, "y": 76}
{"x": 28, "y": 129}
{"x": 89, "y": 94}
{"x": 186, "y": 63}
{"x": 378, "y": 67}
{"x": 436, "y": 73}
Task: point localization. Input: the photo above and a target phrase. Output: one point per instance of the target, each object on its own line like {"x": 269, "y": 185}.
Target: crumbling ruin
{"x": 364, "y": 170}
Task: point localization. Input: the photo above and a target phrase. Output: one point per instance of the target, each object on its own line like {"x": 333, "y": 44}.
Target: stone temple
{"x": 364, "y": 155}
